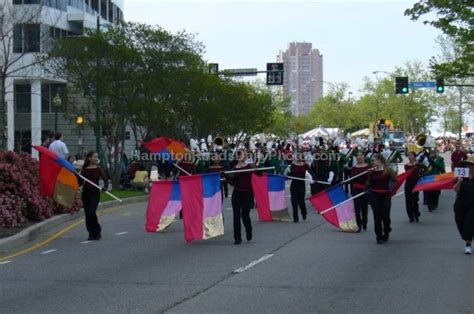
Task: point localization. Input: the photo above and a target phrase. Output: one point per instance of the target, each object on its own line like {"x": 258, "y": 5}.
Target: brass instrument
{"x": 220, "y": 141}
{"x": 419, "y": 145}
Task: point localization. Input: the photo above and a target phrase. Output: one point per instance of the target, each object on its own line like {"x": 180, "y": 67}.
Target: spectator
{"x": 141, "y": 180}
{"x": 457, "y": 156}
{"x": 58, "y": 146}
{"x": 48, "y": 139}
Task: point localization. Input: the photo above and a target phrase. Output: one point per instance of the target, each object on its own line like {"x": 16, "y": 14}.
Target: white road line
{"x": 252, "y": 264}
{"x": 48, "y": 251}
{"x": 288, "y": 196}
{"x": 230, "y": 208}
{"x": 5, "y": 262}
{"x": 121, "y": 233}
{"x": 85, "y": 242}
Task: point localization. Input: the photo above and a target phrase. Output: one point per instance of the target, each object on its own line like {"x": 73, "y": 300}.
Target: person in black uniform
{"x": 242, "y": 197}
{"x": 464, "y": 205}
{"x": 91, "y": 195}
{"x": 322, "y": 169}
{"x": 298, "y": 188}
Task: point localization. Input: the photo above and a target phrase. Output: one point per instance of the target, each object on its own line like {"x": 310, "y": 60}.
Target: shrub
{"x": 20, "y": 198}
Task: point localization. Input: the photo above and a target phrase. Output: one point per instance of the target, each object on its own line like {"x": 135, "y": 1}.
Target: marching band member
{"x": 359, "y": 185}
{"x": 464, "y": 206}
{"x": 216, "y": 167}
{"x": 242, "y": 197}
{"x": 379, "y": 180}
{"x": 436, "y": 166}
{"x": 411, "y": 198}
{"x": 298, "y": 169}
{"x": 322, "y": 169}
{"x": 393, "y": 157}
{"x": 349, "y": 162}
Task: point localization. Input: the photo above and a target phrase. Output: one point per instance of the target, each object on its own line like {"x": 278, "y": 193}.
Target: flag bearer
{"x": 359, "y": 185}
{"x": 379, "y": 180}
{"x": 91, "y": 195}
{"x": 298, "y": 169}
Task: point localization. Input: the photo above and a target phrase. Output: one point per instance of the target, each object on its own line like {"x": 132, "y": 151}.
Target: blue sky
{"x": 355, "y": 37}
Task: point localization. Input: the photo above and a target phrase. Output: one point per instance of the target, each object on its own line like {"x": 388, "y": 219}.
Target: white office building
{"x": 34, "y": 25}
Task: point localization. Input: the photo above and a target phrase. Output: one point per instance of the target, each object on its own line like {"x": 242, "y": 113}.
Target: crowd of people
{"x": 366, "y": 171}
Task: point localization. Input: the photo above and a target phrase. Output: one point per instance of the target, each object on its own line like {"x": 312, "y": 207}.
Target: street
{"x": 309, "y": 267}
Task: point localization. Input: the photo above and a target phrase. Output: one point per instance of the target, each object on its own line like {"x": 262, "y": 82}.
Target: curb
{"x": 33, "y": 232}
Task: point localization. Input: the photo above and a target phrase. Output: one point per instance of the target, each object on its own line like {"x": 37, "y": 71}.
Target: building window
{"x": 22, "y": 98}
{"x": 48, "y": 92}
{"x": 26, "y": 38}
{"x": 127, "y": 135}
{"x": 26, "y": 1}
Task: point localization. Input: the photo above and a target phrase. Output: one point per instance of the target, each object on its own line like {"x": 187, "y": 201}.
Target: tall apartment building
{"x": 32, "y": 110}
{"x": 303, "y": 76}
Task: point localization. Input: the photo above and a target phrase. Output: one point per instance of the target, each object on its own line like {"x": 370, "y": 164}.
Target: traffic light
{"x": 440, "y": 85}
{"x": 401, "y": 85}
{"x": 79, "y": 120}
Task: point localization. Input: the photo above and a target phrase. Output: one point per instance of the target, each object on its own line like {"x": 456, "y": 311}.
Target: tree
{"x": 20, "y": 35}
{"x": 455, "y": 19}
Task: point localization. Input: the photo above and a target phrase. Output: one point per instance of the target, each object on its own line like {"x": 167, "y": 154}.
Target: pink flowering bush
{"x": 20, "y": 198}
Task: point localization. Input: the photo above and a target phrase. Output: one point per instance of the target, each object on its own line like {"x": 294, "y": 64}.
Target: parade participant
{"x": 457, "y": 156}
{"x": 393, "y": 157}
{"x": 349, "y": 161}
{"x": 411, "y": 198}
{"x": 322, "y": 169}
{"x": 436, "y": 167}
{"x": 359, "y": 185}
{"x": 216, "y": 167}
{"x": 242, "y": 197}
{"x": 464, "y": 205}
{"x": 379, "y": 181}
{"x": 298, "y": 169}
{"x": 91, "y": 194}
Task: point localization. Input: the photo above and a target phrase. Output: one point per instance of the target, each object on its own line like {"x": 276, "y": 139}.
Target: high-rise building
{"x": 32, "y": 95}
{"x": 303, "y": 76}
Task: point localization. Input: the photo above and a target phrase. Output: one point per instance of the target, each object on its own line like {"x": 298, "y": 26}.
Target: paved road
{"x": 304, "y": 268}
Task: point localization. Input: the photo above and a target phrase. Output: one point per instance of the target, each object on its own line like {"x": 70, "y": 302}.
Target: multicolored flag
{"x": 58, "y": 177}
{"x": 336, "y": 207}
{"x": 445, "y": 181}
{"x": 202, "y": 206}
{"x": 400, "y": 180}
{"x": 165, "y": 145}
{"x": 269, "y": 191}
{"x": 164, "y": 204}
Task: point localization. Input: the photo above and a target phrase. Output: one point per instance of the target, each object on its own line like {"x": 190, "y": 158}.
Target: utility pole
{"x": 97, "y": 99}
{"x": 460, "y": 114}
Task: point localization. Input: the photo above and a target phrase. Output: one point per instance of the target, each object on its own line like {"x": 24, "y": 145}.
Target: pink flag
{"x": 164, "y": 204}
{"x": 269, "y": 190}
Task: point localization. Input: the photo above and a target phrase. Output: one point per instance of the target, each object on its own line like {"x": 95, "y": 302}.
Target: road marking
{"x": 288, "y": 196}
{"x": 252, "y": 264}
{"x": 121, "y": 233}
{"x": 48, "y": 251}
{"x": 85, "y": 242}
{"x": 5, "y": 262}
{"x": 57, "y": 235}
{"x": 230, "y": 208}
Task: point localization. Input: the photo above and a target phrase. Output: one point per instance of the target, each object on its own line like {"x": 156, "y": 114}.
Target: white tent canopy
{"x": 320, "y": 131}
{"x": 363, "y": 132}
{"x": 437, "y": 134}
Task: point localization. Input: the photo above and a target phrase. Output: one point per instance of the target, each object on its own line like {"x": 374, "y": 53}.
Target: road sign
{"x": 274, "y": 73}
{"x": 427, "y": 84}
{"x": 240, "y": 72}
{"x": 214, "y": 68}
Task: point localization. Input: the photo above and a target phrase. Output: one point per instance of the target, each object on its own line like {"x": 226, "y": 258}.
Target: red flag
{"x": 400, "y": 180}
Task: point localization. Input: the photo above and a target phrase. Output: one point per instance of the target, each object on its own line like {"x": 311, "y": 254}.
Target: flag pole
{"x": 352, "y": 178}
{"x": 176, "y": 165}
{"x": 309, "y": 180}
{"x": 249, "y": 170}
{"x": 95, "y": 185}
{"x": 341, "y": 203}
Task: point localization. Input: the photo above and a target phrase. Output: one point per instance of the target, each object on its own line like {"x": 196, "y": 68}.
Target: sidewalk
{"x": 35, "y": 231}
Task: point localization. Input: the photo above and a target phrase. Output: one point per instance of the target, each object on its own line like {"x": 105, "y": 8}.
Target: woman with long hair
{"x": 464, "y": 206}
{"x": 359, "y": 185}
{"x": 91, "y": 195}
{"x": 411, "y": 198}
{"x": 380, "y": 179}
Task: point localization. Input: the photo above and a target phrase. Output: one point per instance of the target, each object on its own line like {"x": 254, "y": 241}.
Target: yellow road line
{"x": 55, "y": 236}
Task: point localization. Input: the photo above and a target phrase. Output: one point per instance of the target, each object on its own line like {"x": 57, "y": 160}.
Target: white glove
{"x": 425, "y": 162}
{"x": 287, "y": 170}
{"x": 308, "y": 177}
{"x": 331, "y": 176}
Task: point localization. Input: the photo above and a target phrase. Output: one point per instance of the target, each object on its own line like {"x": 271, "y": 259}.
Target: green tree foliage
{"x": 455, "y": 19}
{"x": 156, "y": 82}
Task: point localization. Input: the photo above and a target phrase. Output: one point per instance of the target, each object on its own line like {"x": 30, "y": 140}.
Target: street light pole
{"x": 97, "y": 100}
{"x": 460, "y": 114}
{"x": 56, "y": 104}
